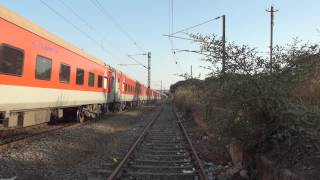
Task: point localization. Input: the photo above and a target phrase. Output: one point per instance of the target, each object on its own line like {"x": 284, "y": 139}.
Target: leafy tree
{"x": 240, "y": 59}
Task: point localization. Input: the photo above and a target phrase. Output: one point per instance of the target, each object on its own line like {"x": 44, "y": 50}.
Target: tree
{"x": 240, "y": 59}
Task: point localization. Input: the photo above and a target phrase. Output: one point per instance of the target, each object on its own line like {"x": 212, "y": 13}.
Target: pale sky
{"x": 145, "y": 22}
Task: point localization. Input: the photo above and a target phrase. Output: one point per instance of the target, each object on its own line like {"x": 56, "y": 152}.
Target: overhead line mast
{"x": 223, "y": 44}
{"x": 271, "y": 11}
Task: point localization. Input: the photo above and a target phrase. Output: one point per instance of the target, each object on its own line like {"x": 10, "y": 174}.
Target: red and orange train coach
{"x": 43, "y": 77}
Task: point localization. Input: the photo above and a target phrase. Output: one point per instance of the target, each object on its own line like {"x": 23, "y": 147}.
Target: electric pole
{"x": 161, "y": 91}
{"x": 191, "y": 72}
{"x": 149, "y": 73}
{"x": 271, "y": 11}
{"x": 146, "y": 67}
{"x": 223, "y": 44}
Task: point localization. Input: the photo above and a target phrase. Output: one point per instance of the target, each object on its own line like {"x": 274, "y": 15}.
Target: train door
{"x": 113, "y": 85}
{"x": 105, "y": 82}
{"x": 118, "y": 84}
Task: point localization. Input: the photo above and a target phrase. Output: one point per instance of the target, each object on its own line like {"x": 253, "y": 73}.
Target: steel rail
{"x": 194, "y": 152}
{"x": 28, "y": 138}
{"x": 39, "y": 134}
{"x": 115, "y": 172}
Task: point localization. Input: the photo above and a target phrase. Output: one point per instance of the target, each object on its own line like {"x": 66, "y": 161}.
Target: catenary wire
{"x": 91, "y": 27}
{"x": 73, "y": 25}
{"x": 191, "y": 27}
{"x": 104, "y": 11}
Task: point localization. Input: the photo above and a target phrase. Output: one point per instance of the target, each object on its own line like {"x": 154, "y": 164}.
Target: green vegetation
{"x": 248, "y": 103}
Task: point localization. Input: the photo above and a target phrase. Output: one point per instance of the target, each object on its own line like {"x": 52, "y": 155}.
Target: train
{"x": 44, "y": 78}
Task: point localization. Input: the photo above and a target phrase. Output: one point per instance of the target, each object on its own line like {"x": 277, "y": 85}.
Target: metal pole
{"x": 161, "y": 91}
{"x": 149, "y": 73}
{"x": 271, "y": 36}
{"x": 223, "y": 44}
{"x": 191, "y": 72}
{"x": 149, "y": 68}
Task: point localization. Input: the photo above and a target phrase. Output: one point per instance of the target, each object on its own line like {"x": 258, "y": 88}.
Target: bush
{"x": 250, "y": 104}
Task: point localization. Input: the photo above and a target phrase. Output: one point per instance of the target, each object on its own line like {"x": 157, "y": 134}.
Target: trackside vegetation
{"x": 276, "y": 114}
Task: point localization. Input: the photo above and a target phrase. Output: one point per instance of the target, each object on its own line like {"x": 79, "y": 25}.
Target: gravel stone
{"x": 83, "y": 152}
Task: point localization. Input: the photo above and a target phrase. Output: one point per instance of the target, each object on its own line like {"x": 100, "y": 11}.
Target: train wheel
{"x": 80, "y": 115}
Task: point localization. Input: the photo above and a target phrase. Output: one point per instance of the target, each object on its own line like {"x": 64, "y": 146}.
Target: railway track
{"x": 29, "y": 134}
{"x": 26, "y": 135}
{"x": 162, "y": 151}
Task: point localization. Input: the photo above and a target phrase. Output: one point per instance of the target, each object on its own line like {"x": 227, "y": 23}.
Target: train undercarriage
{"x": 24, "y": 118}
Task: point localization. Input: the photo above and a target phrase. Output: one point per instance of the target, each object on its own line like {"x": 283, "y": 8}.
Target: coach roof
{"x": 10, "y": 16}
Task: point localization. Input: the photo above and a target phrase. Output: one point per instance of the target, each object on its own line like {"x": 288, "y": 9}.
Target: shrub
{"x": 250, "y": 104}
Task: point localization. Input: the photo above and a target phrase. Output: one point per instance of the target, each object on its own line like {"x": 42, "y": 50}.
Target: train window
{"x": 80, "y": 76}
{"x": 64, "y": 75}
{"x": 2, "y": 116}
{"x": 91, "y": 79}
{"x": 43, "y": 68}
{"x": 99, "y": 81}
{"x": 11, "y": 60}
{"x": 125, "y": 87}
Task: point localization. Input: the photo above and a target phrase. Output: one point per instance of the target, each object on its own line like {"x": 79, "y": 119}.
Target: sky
{"x": 133, "y": 27}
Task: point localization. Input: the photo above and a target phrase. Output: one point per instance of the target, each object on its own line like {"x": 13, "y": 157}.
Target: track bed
{"x": 161, "y": 152}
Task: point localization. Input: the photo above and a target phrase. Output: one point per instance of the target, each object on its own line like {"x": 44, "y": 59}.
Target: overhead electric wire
{"x": 172, "y": 33}
{"x": 171, "y": 24}
{"x": 184, "y": 38}
{"x": 171, "y": 28}
{"x": 191, "y": 27}
{"x": 171, "y": 18}
{"x": 100, "y": 45}
{"x": 172, "y": 21}
{"x": 77, "y": 15}
{"x": 104, "y": 11}
{"x": 73, "y": 25}
{"x": 91, "y": 27}
{"x": 137, "y": 61}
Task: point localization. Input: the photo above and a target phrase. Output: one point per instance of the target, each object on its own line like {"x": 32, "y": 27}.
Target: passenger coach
{"x": 43, "y": 78}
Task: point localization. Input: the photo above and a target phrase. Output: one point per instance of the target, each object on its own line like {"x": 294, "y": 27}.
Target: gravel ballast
{"x": 89, "y": 151}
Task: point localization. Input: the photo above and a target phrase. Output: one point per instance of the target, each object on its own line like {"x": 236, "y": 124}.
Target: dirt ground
{"x": 90, "y": 151}
{"x": 299, "y": 156}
